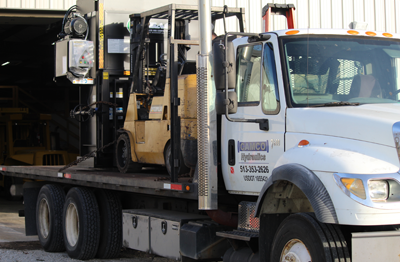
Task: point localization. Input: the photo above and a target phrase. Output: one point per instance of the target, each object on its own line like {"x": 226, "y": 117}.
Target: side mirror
{"x": 221, "y": 102}
{"x": 222, "y": 64}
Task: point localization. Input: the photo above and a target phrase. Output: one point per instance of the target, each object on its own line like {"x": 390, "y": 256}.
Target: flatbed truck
{"x": 297, "y": 138}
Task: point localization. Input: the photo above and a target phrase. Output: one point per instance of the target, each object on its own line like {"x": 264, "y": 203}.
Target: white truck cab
{"x": 331, "y": 98}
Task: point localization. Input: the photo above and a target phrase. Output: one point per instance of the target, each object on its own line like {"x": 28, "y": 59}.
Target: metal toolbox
{"x": 155, "y": 231}
{"x": 135, "y": 231}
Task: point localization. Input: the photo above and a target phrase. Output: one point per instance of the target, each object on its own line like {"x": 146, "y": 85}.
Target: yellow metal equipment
{"x": 149, "y": 140}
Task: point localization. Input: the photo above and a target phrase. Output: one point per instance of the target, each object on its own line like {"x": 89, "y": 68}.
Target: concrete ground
{"x": 16, "y": 247}
{"x": 12, "y": 227}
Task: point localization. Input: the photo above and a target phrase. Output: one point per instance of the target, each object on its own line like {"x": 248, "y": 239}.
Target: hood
{"x": 371, "y": 123}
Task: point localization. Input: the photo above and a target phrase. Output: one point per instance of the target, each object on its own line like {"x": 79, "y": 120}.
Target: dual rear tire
{"x": 49, "y": 214}
{"x": 81, "y": 223}
{"x": 85, "y": 223}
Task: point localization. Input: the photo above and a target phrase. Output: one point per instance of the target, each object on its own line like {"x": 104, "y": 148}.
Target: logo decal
{"x": 253, "y": 146}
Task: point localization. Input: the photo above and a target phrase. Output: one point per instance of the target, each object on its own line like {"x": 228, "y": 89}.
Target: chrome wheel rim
{"x": 295, "y": 251}
{"x": 72, "y": 224}
{"x": 44, "y": 218}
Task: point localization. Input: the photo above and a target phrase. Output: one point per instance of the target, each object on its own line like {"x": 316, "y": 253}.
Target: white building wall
{"x": 381, "y": 15}
{"x": 37, "y": 4}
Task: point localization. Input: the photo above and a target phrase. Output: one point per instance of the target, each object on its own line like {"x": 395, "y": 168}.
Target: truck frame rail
{"x": 149, "y": 181}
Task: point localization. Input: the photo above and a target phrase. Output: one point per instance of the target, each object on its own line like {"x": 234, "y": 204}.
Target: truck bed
{"x": 148, "y": 181}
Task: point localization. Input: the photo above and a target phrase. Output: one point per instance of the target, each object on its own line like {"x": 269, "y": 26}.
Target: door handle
{"x": 264, "y": 124}
{"x": 231, "y": 152}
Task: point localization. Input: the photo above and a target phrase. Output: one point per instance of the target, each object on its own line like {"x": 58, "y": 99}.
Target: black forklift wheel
{"x": 123, "y": 154}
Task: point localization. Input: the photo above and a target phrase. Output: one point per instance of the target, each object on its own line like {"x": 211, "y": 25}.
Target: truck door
{"x": 249, "y": 154}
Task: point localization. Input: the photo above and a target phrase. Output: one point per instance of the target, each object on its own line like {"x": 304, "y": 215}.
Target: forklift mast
{"x": 161, "y": 52}
{"x": 286, "y": 10}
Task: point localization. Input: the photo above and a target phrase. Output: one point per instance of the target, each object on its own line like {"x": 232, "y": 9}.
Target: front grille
{"x": 53, "y": 160}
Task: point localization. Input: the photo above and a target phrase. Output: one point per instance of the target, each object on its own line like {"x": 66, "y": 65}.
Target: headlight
{"x": 355, "y": 186}
{"x": 378, "y": 190}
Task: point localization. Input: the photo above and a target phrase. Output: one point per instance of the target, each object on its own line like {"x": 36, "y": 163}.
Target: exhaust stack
{"x": 206, "y": 115}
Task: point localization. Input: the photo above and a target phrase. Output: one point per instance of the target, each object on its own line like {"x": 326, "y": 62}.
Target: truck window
{"x": 249, "y": 74}
{"x": 306, "y": 83}
{"x": 324, "y": 69}
{"x": 269, "y": 92}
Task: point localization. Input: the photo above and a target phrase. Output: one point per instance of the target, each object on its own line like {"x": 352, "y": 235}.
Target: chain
{"x": 93, "y": 153}
{"x": 87, "y": 156}
{"x": 100, "y": 102}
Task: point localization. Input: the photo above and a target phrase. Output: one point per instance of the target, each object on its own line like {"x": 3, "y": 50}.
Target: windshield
{"x": 325, "y": 69}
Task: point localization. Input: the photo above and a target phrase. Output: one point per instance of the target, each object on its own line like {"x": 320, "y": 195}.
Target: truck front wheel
{"x": 301, "y": 238}
{"x": 49, "y": 208}
{"x": 81, "y": 223}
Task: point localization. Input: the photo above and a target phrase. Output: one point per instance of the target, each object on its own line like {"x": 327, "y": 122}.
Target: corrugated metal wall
{"x": 381, "y": 15}
{"x": 37, "y": 4}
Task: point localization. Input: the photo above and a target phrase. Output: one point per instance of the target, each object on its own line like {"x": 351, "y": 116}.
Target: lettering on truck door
{"x": 248, "y": 153}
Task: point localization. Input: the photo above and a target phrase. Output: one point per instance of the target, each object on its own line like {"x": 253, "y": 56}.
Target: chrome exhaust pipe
{"x": 206, "y": 115}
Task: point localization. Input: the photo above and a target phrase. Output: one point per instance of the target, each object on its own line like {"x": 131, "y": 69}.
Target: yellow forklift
{"x": 25, "y": 140}
{"x": 161, "y": 118}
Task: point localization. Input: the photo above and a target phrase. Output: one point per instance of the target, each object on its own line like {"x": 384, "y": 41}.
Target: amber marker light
{"x": 355, "y": 186}
{"x": 387, "y": 34}
{"x": 187, "y": 188}
{"x": 370, "y": 33}
{"x": 353, "y": 32}
{"x": 292, "y": 32}
{"x": 303, "y": 143}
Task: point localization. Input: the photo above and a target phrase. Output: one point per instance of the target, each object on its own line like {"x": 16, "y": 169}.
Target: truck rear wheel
{"x": 301, "y": 238}
{"x": 124, "y": 157}
{"x": 49, "y": 208}
{"x": 81, "y": 223}
{"x": 110, "y": 223}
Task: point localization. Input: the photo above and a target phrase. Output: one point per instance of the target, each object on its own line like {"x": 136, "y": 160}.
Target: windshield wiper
{"x": 341, "y": 103}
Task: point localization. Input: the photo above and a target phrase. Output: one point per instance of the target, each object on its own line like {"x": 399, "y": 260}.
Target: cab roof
{"x": 343, "y": 32}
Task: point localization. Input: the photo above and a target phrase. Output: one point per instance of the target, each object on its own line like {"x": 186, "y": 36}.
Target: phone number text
{"x": 254, "y": 169}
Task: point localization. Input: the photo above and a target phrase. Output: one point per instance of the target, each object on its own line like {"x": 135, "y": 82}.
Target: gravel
{"x": 32, "y": 252}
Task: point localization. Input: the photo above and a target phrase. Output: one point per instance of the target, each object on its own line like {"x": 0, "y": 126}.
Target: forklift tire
{"x": 110, "y": 223}
{"x": 49, "y": 207}
{"x": 124, "y": 157}
{"x": 183, "y": 169}
{"x": 301, "y": 237}
{"x": 81, "y": 223}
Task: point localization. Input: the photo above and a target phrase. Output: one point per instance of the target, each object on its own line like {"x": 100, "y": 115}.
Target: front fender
{"x": 309, "y": 184}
